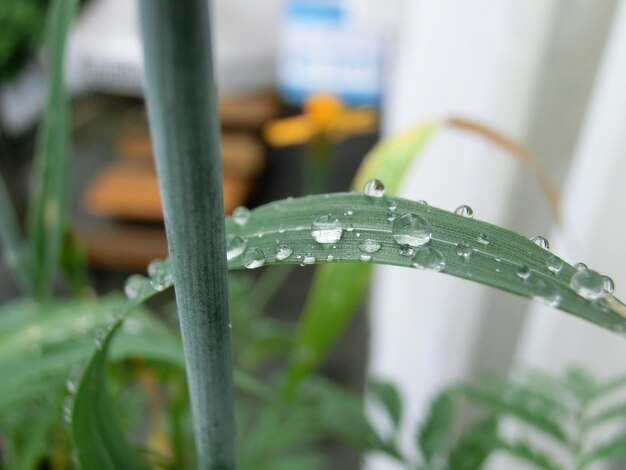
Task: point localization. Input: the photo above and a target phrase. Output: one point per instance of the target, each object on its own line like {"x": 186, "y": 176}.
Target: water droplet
{"x": 483, "y": 239}
{"x": 136, "y": 285}
{"x": 308, "y": 259}
{"x": 281, "y": 229}
{"x": 554, "y": 264}
{"x": 464, "y": 250}
{"x": 369, "y": 246}
{"x": 253, "y": 258}
{"x": 160, "y": 272}
{"x": 282, "y": 252}
{"x": 580, "y": 266}
{"x": 349, "y": 228}
{"x": 544, "y": 292}
{"x": 330, "y": 258}
{"x": 393, "y": 205}
{"x": 541, "y": 242}
{"x": 523, "y": 271}
{"x": 374, "y": 188}
{"x": 326, "y": 229}
{"x": 391, "y": 217}
{"x": 235, "y": 245}
{"x": 365, "y": 257}
{"x": 609, "y": 285}
{"x": 588, "y": 284}
{"x": 358, "y": 234}
{"x": 465, "y": 211}
{"x": 241, "y": 215}
{"x": 428, "y": 258}
{"x": 412, "y": 229}
{"x": 407, "y": 251}
{"x": 348, "y": 213}
{"x": 71, "y": 387}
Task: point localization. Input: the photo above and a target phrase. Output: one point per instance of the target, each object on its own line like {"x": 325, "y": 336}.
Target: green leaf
{"x": 337, "y": 291}
{"x": 49, "y": 207}
{"x": 98, "y": 435}
{"x": 612, "y": 450}
{"x": 509, "y": 261}
{"x": 434, "y": 435}
{"x": 515, "y": 404}
{"x": 388, "y": 396}
{"x": 11, "y": 238}
{"x": 475, "y": 446}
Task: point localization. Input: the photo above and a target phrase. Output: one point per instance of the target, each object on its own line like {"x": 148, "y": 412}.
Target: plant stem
{"x": 184, "y": 122}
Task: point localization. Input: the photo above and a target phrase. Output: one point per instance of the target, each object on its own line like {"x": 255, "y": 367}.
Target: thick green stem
{"x": 184, "y": 122}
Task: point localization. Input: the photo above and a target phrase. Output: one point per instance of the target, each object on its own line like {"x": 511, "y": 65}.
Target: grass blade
{"x": 185, "y": 129}
{"x": 508, "y": 261}
{"x": 49, "y": 208}
{"x": 98, "y": 436}
{"x": 12, "y": 242}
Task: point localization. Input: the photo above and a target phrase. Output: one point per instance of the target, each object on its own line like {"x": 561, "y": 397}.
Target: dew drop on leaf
{"x": 235, "y": 245}
{"x": 580, "y": 267}
{"x": 609, "y": 285}
{"x": 369, "y": 246}
{"x": 411, "y": 229}
{"x": 160, "y": 272}
{"x": 554, "y": 264}
{"x": 543, "y": 291}
{"x": 326, "y": 229}
{"x": 374, "y": 188}
{"x": 253, "y": 258}
{"x": 465, "y": 211}
{"x": 364, "y": 257}
{"x": 428, "y": 258}
{"x": 283, "y": 252}
{"x": 136, "y": 285}
{"x": 241, "y": 215}
{"x": 541, "y": 242}
{"x": 407, "y": 250}
{"x": 464, "y": 250}
{"x": 309, "y": 259}
{"x": 330, "y": 258}
{"x": 523, "y": 272}
{"x": 587, "y": 283}
{"x": 349, "y": 228}
{"x": 483, "y": 239}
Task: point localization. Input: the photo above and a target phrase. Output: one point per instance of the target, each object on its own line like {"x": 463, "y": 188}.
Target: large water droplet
{"x": 544, "y": 292}
{"x": 464, "y": 250}
{"x": 541, "y": 242}
{"x": 580, "y": 267}
{"x": 374, "y": 188}
{"x": 554, "y": 264}
{"x": 282, "y": 252}
{"x": 326, "y": 229}
{"x": 412, "y": 229}
{"x": 428, "y": 258}
{"x": 235, "y": 245}
{"x": 369, "y": 246}
{"x": 160, "y": 272}
{"x": 523, "y": 271}
{"x": 241, "y": 215}
{"x": 465, "y": 211}
{"x": 136, "y": 285}
{"x": 253, "y": 258}
{"x": 308, "y": 259}
{"x": 588, "y": 284}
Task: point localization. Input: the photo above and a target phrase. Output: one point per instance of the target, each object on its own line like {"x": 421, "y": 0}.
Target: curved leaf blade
{"x": 496, "y": 263}
{"x": 98, "y": 436}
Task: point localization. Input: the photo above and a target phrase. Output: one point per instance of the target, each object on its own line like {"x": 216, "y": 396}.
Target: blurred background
{"x": 549, "y": 74}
